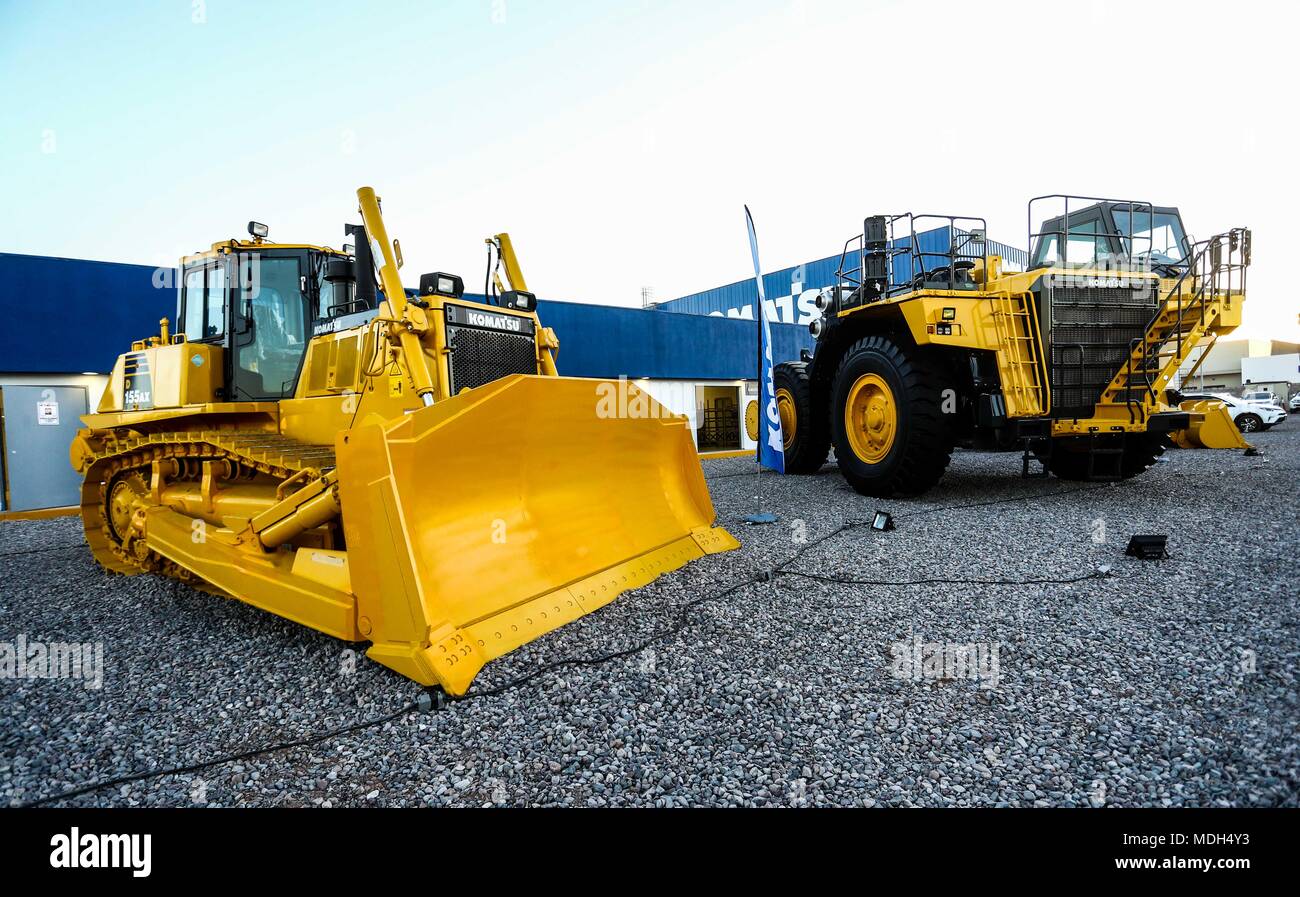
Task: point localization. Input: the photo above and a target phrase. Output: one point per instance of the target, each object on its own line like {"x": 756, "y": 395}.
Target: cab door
{"x": 272, "y": 329}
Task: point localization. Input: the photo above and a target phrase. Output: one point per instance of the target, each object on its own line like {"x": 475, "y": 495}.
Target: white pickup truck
{"x": 1262, "y": 397}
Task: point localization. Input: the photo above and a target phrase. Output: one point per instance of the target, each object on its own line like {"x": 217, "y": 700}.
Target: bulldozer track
{"x": 117, "y": 454}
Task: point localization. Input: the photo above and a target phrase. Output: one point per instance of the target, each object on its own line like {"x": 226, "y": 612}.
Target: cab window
{"x": 204, "y": 301}
{"x": 1157, "y": 237}
{"x": 193, "y": 320}
{"x": 273, "y": 336}
{"x": 1085, "y": 244}
{"x": 214, "y": 318}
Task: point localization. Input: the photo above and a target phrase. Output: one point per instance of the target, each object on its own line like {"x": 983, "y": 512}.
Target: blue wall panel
{"x": 604, "y": 341}
{"x": 98, "y": 308}
{"x": 73, "y": 315}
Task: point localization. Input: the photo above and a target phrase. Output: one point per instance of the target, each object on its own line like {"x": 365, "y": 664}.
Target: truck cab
{"x": 1121, "y": 235}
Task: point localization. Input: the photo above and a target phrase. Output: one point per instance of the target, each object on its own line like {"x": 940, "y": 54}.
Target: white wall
{"x": 1271, "y": 369}
{"x": 678, "y": 396}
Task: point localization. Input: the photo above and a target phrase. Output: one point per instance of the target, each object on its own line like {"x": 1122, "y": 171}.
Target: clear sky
{"x": 617, "y": 141}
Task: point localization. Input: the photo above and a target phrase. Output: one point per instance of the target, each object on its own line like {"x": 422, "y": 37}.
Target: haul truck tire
{"x": 807, "y": 434}
{"x": 887, "y": 423}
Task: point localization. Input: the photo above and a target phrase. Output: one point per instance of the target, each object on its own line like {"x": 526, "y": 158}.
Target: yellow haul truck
{"x": 924, "y": 344}
{"x": 405, "y": 471}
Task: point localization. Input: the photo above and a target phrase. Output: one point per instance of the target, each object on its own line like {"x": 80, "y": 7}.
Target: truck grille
{"x": 480, "y": 356}
{"x": 1090, "y": 329}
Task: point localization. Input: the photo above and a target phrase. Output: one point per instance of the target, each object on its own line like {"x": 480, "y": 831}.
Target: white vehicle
{"x": 1262, "y": 397}
{"x": 1250, "y": 417}
{"x": 1295, "y": 402}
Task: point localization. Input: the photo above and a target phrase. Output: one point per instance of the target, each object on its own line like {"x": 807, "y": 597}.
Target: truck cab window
{"x": 1086, "y": 243}
{"x": 1157, "y": 238}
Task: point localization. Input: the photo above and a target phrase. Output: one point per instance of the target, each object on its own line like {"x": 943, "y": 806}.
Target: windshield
{"x": 1158, "y": 238}
{"x": 1086, "y": 244}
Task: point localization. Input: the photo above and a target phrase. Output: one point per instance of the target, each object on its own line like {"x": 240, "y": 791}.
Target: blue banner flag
{"x": 771, "y": 442}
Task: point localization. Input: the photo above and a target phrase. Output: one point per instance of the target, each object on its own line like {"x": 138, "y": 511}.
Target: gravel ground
{"x": 1164, "y": 683}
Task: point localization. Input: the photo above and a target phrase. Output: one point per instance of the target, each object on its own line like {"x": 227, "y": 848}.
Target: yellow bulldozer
{"x": 404, "y": 470}
{"x": 929, "y": 340}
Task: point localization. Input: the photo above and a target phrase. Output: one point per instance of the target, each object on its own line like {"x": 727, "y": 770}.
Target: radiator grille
{"x": 1090, "y": 329}
{"x": 481, "y": 356}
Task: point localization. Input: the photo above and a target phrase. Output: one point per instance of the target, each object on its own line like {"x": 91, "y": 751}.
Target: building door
{"x": 717, "y": 418}
{"x": 38, "y": 424}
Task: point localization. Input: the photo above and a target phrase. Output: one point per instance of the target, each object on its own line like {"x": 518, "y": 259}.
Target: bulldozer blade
{"x": 479, "y": 523}
{"x": 1211, "y": 427}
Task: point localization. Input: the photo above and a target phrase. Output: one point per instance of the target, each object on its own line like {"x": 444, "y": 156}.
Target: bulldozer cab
{"x": 260, "y": 302}
{"x": 1112, "y": 234}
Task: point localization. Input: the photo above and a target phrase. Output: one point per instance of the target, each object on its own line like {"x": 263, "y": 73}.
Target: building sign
{"x": 792, "y": 309}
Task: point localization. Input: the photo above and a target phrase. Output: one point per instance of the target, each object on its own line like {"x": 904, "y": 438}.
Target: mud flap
{"x": 477, "y": 524}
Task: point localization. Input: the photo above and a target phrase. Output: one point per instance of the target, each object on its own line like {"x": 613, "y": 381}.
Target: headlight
{"x": 824, "y": 300}
{"x": 815, "y": 328}
{"x": 440, "y": 284}
{"x": 519, "y": 300}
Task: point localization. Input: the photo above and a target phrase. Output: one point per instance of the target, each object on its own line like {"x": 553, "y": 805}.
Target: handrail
{"x": 1005, "y": 314}
{"x": 1206, "y": 282}
{"x": 1134, "y": 207}
{"x": 1041, "y": 355}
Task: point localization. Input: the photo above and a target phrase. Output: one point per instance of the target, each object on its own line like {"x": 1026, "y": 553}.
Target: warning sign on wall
{"x": 47, "y": 414}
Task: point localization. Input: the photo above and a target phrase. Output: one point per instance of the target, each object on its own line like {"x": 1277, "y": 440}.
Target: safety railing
{"x": 904, "y": 252}
{"x": 1139, "y": 212}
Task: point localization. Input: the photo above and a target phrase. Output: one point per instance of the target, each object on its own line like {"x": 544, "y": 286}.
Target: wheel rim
{"x": 870, "y": 418}
{"x": 789, "y": 417}
{"x": 1248, "y": 424}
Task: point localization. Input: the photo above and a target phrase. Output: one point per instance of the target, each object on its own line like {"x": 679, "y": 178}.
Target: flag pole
{"x": 760, "y": 320}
